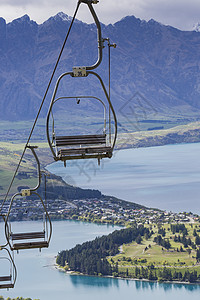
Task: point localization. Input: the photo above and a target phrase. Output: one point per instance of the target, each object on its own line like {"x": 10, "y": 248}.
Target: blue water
{"x": 38, "y": 278}
{"x": 166, "y": 177}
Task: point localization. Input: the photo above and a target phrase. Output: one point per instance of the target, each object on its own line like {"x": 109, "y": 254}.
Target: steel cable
{"x": 41, "y": 105}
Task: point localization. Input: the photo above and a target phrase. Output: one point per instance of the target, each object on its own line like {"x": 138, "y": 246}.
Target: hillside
{"x": 171, "y": 253}
{"x": 61, "y": 196}
{"x": 11, "y": 151}
{"x": 152, "y": 252}
{"x": 155, "y": 68}
{"x": 189, "y": 133}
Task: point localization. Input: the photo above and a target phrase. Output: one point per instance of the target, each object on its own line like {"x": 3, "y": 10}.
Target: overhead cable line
{"x": 41, "y": 105}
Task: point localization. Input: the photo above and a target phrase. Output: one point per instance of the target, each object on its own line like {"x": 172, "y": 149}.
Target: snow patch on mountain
{"x": 196, "y": 27}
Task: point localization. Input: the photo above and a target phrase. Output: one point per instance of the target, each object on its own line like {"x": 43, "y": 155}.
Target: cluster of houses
{"x": 110, "y": 210}
{"x": 104, "y": 210}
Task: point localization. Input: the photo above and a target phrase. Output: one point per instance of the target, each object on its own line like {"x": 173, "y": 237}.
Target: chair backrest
{"x": 5, "y": 278}
{"x": 27, "y": 235}
{"x": 80, "y": 140}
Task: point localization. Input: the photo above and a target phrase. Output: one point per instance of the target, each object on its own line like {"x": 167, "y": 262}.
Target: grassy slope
{"x": 155, "y": 255}
{"x": 189, "y": 133}
{"x": 9, "y": 157}
{"x": 10, "y": 152}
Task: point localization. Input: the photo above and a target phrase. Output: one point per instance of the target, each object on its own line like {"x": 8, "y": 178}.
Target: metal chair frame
{"x": 92, "y": 151}
{"x": 14, "y": 238}
{"x": 8, "y": 281}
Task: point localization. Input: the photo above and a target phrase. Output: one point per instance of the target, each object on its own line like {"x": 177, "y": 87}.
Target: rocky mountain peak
{"x": 153, "y": 60}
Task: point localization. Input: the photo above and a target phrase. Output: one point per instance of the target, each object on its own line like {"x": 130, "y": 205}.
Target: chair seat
{"x": 5, "y": 278}
{"x": 88, "y": 150}
{"x": 30, "y": 245}
{"x": 80, "y": 140}
{"x": 7, "y": 286}
{"x": 27, "y": 235}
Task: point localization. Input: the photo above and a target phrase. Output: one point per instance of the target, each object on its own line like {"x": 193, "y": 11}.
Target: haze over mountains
{"x": 159, "y": 63}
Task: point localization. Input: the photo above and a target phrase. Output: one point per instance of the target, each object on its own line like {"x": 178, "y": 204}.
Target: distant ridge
{"x": 159, "y": 62}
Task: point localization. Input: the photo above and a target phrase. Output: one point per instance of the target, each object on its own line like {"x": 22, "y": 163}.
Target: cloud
{"x": 38, "y": 10}
{"x": 18, "y": 2}
{"x": 182, "y": 14}
{"x": 178, "y": 13}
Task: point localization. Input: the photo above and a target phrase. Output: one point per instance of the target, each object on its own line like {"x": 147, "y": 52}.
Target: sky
{"x": 182, "y": 14}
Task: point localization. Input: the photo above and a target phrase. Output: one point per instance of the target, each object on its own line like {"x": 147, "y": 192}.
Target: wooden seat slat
{"x": 81, "y": 136}
{"x": 7, "y": 286}
{"x": 29, "y": 245}
{"x": 5, "y": 278}
{"x": 91, "y": 150}
{"x": 80, "y": 140}
{"x": 27, "y": 235}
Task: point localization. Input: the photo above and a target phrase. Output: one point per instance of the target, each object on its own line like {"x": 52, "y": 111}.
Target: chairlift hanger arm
{"x": 99, "y": 34}
{"x": 4, "y": 219}
{"x": 32, "y": 148}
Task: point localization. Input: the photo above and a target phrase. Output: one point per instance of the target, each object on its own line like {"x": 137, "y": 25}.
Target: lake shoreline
{"x": 74, "y": 273}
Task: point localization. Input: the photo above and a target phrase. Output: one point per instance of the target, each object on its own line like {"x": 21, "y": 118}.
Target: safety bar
{"x": 78, "y": 98}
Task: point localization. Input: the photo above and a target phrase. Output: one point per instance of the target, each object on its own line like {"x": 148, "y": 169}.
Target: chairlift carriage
{"x": 63, "y": 147}
{"x": 28, "y": 240}
{"x": 8, "y": 271}
{"x": 84, "y": 146}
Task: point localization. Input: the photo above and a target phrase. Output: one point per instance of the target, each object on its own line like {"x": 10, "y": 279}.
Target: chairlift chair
{"x": 65, "y": 147}
{"x": 7, "y": 281}
{"x": 29, "y": 240}
{"x": 68, "y": 147}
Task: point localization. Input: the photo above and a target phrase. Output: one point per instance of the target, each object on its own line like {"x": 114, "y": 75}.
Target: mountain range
{"x": 155, "y": 68}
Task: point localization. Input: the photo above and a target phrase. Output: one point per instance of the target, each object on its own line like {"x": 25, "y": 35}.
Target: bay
{"x": 38, "y": 278}
{"x": 165, "y": 177}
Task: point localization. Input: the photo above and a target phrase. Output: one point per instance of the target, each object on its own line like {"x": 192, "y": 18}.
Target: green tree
{"x": 137, "y": 272}
{"x": 127, "y": 272}
{"x": 198, "y": 254}
{"x": 138, "y": 239}
{"x": 194, "y": 232}
{"x": 197, "y": 240}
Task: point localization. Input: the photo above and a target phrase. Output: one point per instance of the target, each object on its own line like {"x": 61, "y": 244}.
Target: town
{"x": 106, "y": 210}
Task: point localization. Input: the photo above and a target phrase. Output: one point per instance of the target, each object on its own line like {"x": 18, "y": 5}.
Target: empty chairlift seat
{"x": 28, "y": 240}
{"x": 82, "y": 146}
{"x": 7, "y": 281}
{"x": 39, "y": 238}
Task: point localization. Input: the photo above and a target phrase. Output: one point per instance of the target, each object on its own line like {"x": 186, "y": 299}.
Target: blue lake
{"x": 38, "y": 278}
{"x": 166, "y": 177}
